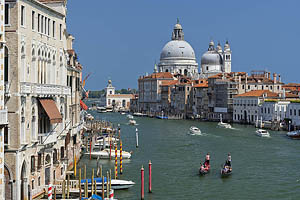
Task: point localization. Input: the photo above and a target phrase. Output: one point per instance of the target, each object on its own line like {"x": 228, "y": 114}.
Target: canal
{"x": 263, "y": 168}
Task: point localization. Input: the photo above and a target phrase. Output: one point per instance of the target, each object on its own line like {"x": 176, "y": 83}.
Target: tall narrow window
{"x": 53, "y": 29}
{"x": 6, "y": 14}
{"x": 39, "y": 21}
{"x": 42, "y": 24}
{"x": 22, "y": 15}
{"x": 32, "y": 19}
{"x": 60, "y": 31}
{"x": 46, "y": 25}
{"x": 49, "y": 27}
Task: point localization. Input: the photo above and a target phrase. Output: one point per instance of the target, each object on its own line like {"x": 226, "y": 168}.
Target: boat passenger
{"x": 228, "y": 161}
{"x": 207, "y": 158}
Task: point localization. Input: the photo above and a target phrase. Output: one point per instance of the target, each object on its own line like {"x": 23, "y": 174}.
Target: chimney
{"x": 269, "y": 75}
{"x": 279, "y": 78}
{"x": 274, "y": 77}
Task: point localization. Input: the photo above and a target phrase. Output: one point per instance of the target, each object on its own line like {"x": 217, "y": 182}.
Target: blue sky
{"x": 121, "y": 39}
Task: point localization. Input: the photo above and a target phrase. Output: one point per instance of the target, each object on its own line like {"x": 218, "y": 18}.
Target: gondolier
{"x": 207, "y": 158}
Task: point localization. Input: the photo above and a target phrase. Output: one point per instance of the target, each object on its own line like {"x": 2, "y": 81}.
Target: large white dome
{"x": 177, "y": 49}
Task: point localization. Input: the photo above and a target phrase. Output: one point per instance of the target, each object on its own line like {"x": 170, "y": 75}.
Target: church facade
{"x": 178, "y": 57}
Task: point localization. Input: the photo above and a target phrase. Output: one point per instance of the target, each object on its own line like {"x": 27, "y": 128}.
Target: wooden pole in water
{"x": 64, "y": 189}
{"x": 109, "y": 149}
{"x": 107, "y": 185}
{"x": 95, "y": 186}
{"x": 68, "y": 186}
{"x": 109, "y": 180}
{"x": 84, "y": 171}
{"x": 54, "y": 193}
{"x": 116, "y": 161}
{"x": 100, "y": 170}
{"x": 86, "y": 192}
{"x": 142, "y": 183}
{"x": 79, "y": 185}
{"x": 137, "y": 137}
{"x": 91, "y": 149}
{"x": 103, "y": 186}
{"x": 121, "y": 158}
{"x": 150, "y": 176}
{"x": 92, "y": 182}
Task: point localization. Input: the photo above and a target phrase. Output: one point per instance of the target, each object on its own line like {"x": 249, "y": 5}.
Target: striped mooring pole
{"x": 121, "y": 158}
{"x": 111, "y": 195}
{"x": 116, "y": 161}
{"x": 49, "y": 191}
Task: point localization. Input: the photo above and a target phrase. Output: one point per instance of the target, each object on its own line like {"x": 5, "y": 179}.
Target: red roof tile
{"x": 258, "y": 93}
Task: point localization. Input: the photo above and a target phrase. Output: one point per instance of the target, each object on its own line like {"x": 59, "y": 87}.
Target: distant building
{"x": 293, "y": 113}
{"x": 116, "y": 101}
{"x": 246, "y": 106}
{"x": 178, "y": 56}
{"x": 215, "y": 60}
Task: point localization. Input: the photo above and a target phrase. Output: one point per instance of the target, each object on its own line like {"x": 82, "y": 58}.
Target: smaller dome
{"x": 211, "y": 58}
{"x": 177, "y": 26}
{"x": 211, "y": 43}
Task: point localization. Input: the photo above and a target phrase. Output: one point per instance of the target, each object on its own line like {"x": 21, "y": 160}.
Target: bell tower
{"x": 227, "y": 57}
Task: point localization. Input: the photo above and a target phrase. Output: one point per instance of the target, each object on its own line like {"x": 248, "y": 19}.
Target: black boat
{"x": 204, "y": 169}
{"x": 226, "y": 171}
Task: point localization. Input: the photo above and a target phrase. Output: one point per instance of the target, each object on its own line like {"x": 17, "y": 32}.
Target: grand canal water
{"x": 263, "y": 168}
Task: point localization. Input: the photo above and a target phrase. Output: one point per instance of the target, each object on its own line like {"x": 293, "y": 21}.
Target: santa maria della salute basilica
{"x": 178, "y": 57}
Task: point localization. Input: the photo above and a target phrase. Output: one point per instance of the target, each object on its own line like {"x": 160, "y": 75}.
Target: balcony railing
{"x": 47, "y": 138}
{"x": 3, "y": 117}
{"x": 44, "y": 89}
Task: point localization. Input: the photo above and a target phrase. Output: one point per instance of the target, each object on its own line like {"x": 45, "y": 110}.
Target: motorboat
{"x": 195, "y": 130}
{"x": 116, "y": 184}
{"x": 101, "y": 110}
{"x": 223, "y": 124}
{"x": 105, "y": 142}
{"x": 262, "y": 133}
{"x": 104, "y": 154}
{"x": 294, "y": 134}
{"x": 139, "y": 114}
{"x": 132, "y": 122}
{"x": 129, "y": 116}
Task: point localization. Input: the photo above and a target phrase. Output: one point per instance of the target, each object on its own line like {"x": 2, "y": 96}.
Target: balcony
{"x": 48, "y": 138}
{"x": 3, "y": 117}
{"x": 44, "y": 89}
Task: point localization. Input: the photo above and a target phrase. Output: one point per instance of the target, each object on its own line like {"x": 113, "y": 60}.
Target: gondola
{"x": 204, "y": 170}
{"x": 226, "y": 171}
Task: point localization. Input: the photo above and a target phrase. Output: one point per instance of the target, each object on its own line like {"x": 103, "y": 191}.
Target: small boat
{"x": 122, "y": 113}
{"x": 222, "y": 124}
{"x": 195, "y": 130}
{"x": 161, "y": 117}
{"x": 101, "y": 110}
{"x": 104, "y": 154}
{"x": 262, "y": 133}
{"x": 204, "y": 169}
{"x": 129, "y": 116}
{"x": 226, "y": 171}
{"x": 132, "y": 122}
{"x": 139, "y": 114}
{"x": 294, "y": 134}
{"x": 115, "y": 183}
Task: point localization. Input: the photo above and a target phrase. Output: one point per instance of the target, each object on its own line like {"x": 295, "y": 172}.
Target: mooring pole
{"x": 142, "y": 183}
{"x": 121, "y": 158}
{"x": 137, "y": 137}
{"x": 150, "y": 176}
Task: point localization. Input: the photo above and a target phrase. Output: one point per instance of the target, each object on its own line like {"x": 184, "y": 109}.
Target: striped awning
{"x": 51, "y": 110}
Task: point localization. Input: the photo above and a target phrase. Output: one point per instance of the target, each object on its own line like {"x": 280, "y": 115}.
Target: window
{"x": 42, "y": 24}
{"x": 298, "y": 112}
{"x": 206, "y": 68}
{"x": 32, "y": 164}
{"x": 53, "y": 29}
{"x": 39, "y": 21}
{"x": 32, "y": 20}
{"x": 6, "y": 136}
{"x": 46, "y": 19}
{"x": 6, "y": 14}
{"x": 39, "y": 161}
{"x": 32, "y": 184}
{"x": 49, "y": 27}
{"x": 60, "y": 31}
{"x": 295, "y": 113}
{"x": 22, "y": 15}
{"x": 291, "y": 112}
{"x": 62, "y": 152}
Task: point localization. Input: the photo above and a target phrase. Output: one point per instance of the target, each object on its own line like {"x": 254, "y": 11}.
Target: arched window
{"x": 185, "y": 72}
{"x": 124, "y": 103}
{"x": 55, "y": 156}
{"x": 167, "y": 70}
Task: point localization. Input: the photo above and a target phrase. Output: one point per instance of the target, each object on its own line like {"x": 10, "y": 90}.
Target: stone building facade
{"x": 3, "y": 110}
{"x": 39, "y": 137}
